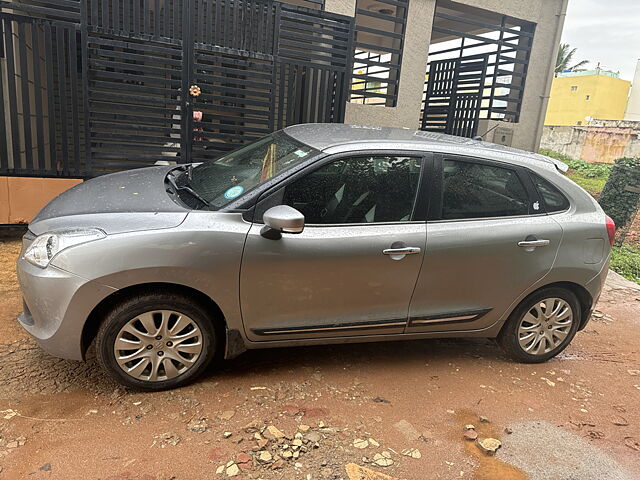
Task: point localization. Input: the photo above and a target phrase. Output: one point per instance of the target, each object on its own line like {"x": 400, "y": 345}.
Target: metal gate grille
{"x": 235, "y": 103}
{"x": 454, "y": 96}
{"x": 133, "y": 99}
{"x": 109, "y": 87}
{"x": 313, "y": 66}
{"x": 468, "y": 35}
{"x": 41, "y": 129}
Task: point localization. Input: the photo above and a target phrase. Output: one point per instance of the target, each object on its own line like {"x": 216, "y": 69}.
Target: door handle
{"x": 534, "y": 243}
{"x": 401, "y": 251}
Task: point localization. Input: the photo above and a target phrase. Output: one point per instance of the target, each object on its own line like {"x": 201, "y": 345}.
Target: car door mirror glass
{"x": 282, "y": 219}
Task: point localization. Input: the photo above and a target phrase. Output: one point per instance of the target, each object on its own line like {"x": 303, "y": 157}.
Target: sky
{"x": 605, "y": 31}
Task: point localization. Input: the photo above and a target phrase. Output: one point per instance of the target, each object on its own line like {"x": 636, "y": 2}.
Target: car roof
{"x": 339, "y": 138}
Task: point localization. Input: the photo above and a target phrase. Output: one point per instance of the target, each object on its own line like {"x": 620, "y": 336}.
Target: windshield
{"x": 222, "y": 180}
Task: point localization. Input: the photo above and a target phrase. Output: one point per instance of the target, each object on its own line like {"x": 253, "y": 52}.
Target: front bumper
{"x": 57, "y": 305}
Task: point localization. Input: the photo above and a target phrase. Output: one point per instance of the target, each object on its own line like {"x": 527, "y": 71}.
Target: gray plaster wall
{"x": 549, "y": 18}
{"x": 601, "y": 142}
{"x": 343, "y": 7}
{"x": 412, "y": 74}
{"x": 564, "y": 139}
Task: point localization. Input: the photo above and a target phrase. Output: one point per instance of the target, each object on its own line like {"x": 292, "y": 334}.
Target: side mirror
{"x": 281, "y": 219}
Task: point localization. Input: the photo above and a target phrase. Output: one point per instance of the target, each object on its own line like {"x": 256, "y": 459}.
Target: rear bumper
{"x": 594, "y": 287}
{"x": 56, "y": 306}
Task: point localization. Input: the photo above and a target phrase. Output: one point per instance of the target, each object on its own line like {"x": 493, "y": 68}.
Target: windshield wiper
{"x": 186, "y": 188}
{"x": 188, "y": 168}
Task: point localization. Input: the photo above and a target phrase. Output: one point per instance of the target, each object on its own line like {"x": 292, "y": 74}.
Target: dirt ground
{"x": 67, "y": 420}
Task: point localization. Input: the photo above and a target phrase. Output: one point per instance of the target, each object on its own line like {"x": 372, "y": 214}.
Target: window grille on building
{"x": 379, "y": 40}
{"x": 477, "y": 68}
{"x": 314, "y": 4}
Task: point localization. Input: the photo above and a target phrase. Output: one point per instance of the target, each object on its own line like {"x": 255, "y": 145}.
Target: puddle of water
{"x": 489, "y": 467}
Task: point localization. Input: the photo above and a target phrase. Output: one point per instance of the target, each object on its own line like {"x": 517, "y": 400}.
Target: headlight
{"x": 48, "y": 245}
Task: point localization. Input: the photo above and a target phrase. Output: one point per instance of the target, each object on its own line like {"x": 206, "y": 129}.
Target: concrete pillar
{"x": 406, "y": 113}
{"x": 342, "y": 7}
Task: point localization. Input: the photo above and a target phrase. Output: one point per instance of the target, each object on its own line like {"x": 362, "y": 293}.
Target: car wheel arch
{"x": 95, "y": 318}
{"x": 584, "y": 298}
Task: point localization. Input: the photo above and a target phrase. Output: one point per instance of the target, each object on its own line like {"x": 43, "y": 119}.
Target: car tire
{"x": 177, "y": 317}
{"x": 515, "y": 337}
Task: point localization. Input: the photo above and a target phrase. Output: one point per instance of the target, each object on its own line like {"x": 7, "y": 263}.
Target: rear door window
{"x": 478, "y": 190}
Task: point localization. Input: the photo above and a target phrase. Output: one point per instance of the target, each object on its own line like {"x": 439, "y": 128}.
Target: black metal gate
{"x": 99, "y": 85}
{"x": 454, "y": 95}
{"x": 41, "y": 94}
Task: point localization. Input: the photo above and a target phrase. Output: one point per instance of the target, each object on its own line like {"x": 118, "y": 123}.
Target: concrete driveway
{"x": 398, "y": 409}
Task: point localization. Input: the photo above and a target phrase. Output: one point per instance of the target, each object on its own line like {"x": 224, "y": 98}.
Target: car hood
{"x": 120, "y": 202}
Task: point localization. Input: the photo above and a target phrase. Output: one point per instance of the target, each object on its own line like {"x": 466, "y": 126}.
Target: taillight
{"x": 611, "y": 229}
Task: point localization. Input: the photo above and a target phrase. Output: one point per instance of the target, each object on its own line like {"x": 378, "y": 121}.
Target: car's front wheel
{"x": 541, "y": 326}
{"x": 156, "y": 341}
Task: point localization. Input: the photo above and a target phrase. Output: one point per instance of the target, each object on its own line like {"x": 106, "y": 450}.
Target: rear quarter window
{"x": 554, "y": 200}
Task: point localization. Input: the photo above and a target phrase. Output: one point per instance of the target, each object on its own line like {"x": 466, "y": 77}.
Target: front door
{"x": 489, "y": 242}
{"x": 352, "y": 271}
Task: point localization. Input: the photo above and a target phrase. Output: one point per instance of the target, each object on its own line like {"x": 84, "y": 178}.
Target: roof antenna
{"x": 481, "y": 137}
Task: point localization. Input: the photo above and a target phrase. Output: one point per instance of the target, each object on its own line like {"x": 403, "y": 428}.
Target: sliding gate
{"x": 100, "y": 85}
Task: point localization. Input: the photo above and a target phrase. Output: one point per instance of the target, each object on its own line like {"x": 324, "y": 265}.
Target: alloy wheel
{"x": 158, "y": 345}
{"x": 545, "y": 326}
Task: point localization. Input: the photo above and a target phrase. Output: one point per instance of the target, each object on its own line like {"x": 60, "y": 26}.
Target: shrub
{"x": 557, "y": 155}
{"x": 586, "y": 169}
{"x": 590, "y": 176}
{"x": 617, "y": 199}
{"x": 626, "y": 261}
{"x": 590, "y": 170}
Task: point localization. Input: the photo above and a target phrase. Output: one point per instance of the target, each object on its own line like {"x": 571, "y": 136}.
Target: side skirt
{"x": 356, "y": 328}
{"x": 448, "y": 318}
{"x": 489, "y": 332}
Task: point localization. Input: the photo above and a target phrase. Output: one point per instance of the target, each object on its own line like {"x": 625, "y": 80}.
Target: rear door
{"x": 352, "y": 271}
{"x": 489, "y": 241}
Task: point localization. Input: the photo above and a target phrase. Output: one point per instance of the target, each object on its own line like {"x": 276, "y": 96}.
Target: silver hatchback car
{"x": 315, "y": 234}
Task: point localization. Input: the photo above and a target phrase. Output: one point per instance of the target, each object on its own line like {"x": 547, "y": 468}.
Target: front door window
{"x": 368, "y": 189}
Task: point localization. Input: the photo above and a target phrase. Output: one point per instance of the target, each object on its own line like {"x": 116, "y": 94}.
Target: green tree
{"x": 565, "y": 59}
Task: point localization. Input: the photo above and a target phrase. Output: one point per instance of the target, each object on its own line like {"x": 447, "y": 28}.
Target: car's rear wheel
{"x": 156, "y": 341}
{"x": 541, "y": 326}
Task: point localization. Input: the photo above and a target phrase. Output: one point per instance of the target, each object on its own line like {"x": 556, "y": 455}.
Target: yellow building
{"x": 577, "y": 97}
